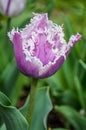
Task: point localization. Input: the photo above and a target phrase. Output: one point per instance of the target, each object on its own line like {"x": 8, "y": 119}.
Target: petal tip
{"x": 74, "y": 39}
{"x": 78, "y": 37}
{"x": 12, "y": 33}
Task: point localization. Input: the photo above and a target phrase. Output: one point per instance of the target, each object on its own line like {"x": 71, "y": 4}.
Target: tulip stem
{"x": 32, "y": 100}
{"x": 7, "y": 29}
{"x": 8, "y": 25}
{"x": 6, "y": 44}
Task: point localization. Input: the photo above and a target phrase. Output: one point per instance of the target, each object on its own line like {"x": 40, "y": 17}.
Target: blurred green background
{"x": 68, "y": 85}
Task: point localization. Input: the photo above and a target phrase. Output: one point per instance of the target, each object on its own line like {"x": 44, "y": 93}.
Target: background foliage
{"x": 67, "y": 88}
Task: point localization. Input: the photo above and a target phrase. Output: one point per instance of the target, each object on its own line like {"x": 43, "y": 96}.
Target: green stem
{"x": 32, "y": 100}
{"x": 8, "y": 27}
{"x": 6, "y": 44}
{"x": 8, "y": 24}
{"x": 7, "y": 30}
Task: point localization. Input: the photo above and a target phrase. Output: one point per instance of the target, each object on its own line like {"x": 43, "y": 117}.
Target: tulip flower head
{"x": 12, "y": 8}
{"x": 40, "y": 48}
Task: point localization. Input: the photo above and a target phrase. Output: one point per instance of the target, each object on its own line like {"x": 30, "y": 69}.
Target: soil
{"x": 55, "y": 120}
{"x": 23, "y": 97}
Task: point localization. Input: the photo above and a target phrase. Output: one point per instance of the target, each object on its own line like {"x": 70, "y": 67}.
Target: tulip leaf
{"x": 9, "y": 78}
{"x": 1, "y": 123}
{"x": 3, "y": 127}
{"x": 69, "y": 30}
{"x": 72, "y": 117}
{"x": 82, "y": 64}
{"x": 4, "y": 99}
{"x": 60, "y": 129}
{"x": 10, "y": 116}
{"x": 42, "y": 107}
{"x": 80, "y": 92}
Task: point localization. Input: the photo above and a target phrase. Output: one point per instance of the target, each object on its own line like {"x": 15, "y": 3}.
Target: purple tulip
{"x": 12, "y": 8}
{"x": 40, "y": 48}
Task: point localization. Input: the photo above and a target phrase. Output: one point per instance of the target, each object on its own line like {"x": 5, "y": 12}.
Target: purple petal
{"x": 28, "y": 68}
{"x": 40, "y": 48}
{"x": 72, "y": 41}
{"x": 53, "y": 68}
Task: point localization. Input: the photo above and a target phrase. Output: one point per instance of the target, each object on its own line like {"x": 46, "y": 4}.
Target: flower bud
{"x": 12, "y": 8}
{"x": 40, "y": 48}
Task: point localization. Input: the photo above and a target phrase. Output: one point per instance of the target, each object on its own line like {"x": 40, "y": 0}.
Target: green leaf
{"x": 4, "y": 99}
{"x": 3, "y": 127}
{"x": 60, "y": 129}
{"x": 69, "y": 30}
{"x": 10, "y": 78}
{"x": 12, "y": 117}
{"x": 73, "y": 118}
{"x": 65, "y": 97}
{"x": 42, "y": 107}
{"x": 80, "y": 92}
{"x": 83, "y": 64}
{"x": 1, "y": 123}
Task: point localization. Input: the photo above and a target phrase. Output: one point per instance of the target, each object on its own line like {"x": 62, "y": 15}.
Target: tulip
{"x": 12, "y": 8}
{"x": 40, "y": 48}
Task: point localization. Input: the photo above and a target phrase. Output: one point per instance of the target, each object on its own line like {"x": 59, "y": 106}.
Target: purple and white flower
{"x": 12, "y": 8}
{"x": 40, "y": 48}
